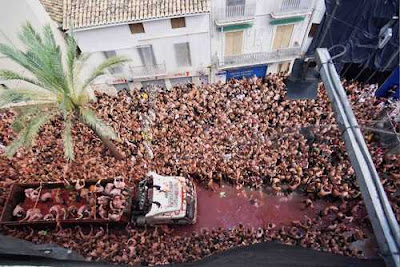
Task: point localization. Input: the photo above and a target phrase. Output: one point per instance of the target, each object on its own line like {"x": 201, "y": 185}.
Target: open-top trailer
{"x": 156, "y": 199}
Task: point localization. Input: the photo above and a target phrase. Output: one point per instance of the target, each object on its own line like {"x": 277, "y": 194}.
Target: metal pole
{"x": 337, "y": 3}
{"x": 380, "y": 213}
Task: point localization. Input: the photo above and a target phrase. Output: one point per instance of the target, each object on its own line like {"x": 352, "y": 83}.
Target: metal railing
{"x": 260, "y": 57}
{"x": 292, "y": 6}
{"x": 380, "y": 211}
{"x": 147, "y": 71}
{"x": 235, "y": 13}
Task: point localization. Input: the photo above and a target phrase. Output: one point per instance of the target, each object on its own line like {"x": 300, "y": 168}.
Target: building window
{"x": 235, "y": 2}
{"x": 109, "y": 54}
{"x": 147, "y": 55}
{"x": 282, "y": 37}
{"x": 136, "y": 28}
{"x": 313, "y": 30}
{"x": 182, "y": 53}
{"x": 290, "y": 4}
{"x": 178, "y": 23}
{"x": 233, "y": 43}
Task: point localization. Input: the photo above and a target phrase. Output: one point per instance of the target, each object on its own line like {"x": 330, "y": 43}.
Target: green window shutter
{"x": 286, "y": 20}
{"x": 234, "y": 27}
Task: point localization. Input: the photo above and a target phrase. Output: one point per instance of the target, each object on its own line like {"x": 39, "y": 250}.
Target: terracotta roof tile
{"x": 89, "y": 13}
{"x": 54, "y": 8}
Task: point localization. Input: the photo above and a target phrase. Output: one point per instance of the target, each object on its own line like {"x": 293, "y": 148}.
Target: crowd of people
{"x": 245, "y": 132}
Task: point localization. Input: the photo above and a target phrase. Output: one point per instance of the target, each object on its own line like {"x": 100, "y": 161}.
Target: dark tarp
{"x": 356, "y": 25}
{"x": 19, "y": 252}
{"x": 24, "y": 249}
{"x": 393, "y": 80}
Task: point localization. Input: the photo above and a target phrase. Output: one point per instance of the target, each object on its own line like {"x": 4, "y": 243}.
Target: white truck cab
{"x": 165, "y": 200}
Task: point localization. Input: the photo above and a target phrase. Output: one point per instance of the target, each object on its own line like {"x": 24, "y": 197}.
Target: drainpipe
{"x": 210, "y": 35}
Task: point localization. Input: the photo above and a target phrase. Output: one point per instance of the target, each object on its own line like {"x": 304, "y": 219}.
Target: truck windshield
{"x": 145, "y": 195}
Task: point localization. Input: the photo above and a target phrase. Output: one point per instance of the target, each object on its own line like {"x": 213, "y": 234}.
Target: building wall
{"x": 207, "y": 44}
{"x": 158, "y": 34}
{"x": 260, "y": 36}
{"x": 318, "y": 14}
{"x": 13, "y": 15}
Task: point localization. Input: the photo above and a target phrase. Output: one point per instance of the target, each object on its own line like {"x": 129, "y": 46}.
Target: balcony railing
{"x": 259, "y": 58}
{"x": 288, "y": 7}
{"x": 148, "y": 71}
{"x": 231, "y": 14}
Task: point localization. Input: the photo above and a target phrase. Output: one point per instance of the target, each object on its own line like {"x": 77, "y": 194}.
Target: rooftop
{"x": 55, "y": 9}
{"x": 89, "y": 13}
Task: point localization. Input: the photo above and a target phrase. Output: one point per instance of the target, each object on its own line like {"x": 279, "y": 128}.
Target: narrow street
{"x": 228, "y": 207}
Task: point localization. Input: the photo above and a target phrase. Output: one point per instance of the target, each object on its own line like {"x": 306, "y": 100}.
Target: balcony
{"x": 235, "y": 14}
{"x": 147, "y": 71}
{"x": 287, "y": 8}
{"x": 249, "y": 59}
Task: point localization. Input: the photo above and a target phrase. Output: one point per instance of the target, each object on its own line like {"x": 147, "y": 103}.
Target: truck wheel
{"x": 141, "y": 221}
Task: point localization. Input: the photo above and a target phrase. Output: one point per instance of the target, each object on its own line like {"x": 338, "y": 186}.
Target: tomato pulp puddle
{"x": 228, "y": 207}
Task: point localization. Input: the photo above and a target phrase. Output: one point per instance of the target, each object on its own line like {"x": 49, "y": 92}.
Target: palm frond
{"x": 12, "y": 148}
{"x": 38, "y": 58}
{"x": 15, "y": 55}
{"x": 80, "y": 62}
{"x": 27, "y": 135}
{"x": 96, "y": 124}
{"x": 49, "y": 40}
{"x": 30, "y": 38}
{"x": 14, "y": 96}
{"x": 11, "y": 75}
{"x": 64, "y": 107}
{"x": 23, "y": 116}
{"x": 108, "y": 63}
{"x": 46, "y": 65}
{"x": 44, "y": 56}
{"x": 68, "y": 142}
{"x": 34, "y": 126}
{"x": 71, "y": 57}
{"x": 54, "y": 75}
{"x": 77, "y": 76}
{"x": 31, "y": 63}
{"x": 53, "y": 57}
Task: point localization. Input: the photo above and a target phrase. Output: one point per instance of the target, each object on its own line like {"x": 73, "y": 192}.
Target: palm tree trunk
{"x": 113, "y": 148}
{"x": 107, "y": 142}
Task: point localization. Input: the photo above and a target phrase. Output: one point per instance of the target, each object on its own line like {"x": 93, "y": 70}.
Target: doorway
{"x": 284, "y": 66}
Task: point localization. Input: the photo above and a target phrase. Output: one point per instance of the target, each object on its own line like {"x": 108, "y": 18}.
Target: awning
{"x": 286, "y": 20}
{"x": 235, "y": 27}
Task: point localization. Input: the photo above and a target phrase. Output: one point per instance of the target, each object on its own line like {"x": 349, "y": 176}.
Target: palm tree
{"x": 54, "y": 87}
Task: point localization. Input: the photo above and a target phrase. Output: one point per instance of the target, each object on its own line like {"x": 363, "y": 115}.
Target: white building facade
{"x": 167, "y": 41}
{"x": 171, "y": 42}
{"x": 13, "y": 15}
{"x": 255, "y": 37}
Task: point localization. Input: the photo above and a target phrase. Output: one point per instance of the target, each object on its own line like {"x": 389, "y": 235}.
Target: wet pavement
{"x": 227, "y": 207}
